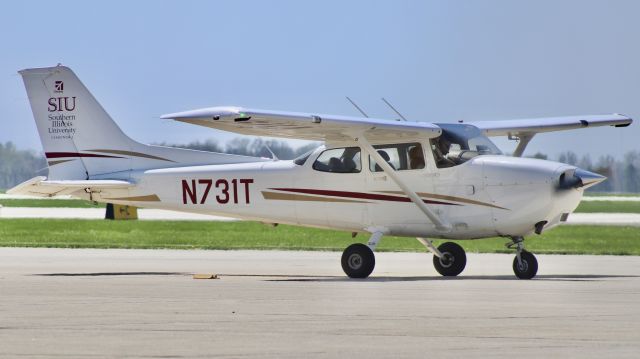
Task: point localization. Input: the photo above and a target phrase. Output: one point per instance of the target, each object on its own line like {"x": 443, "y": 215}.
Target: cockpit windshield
{"x": 460, "y": 143}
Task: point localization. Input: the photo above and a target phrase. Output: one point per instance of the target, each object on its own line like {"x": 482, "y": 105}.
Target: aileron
{"x": 550, "y": 124}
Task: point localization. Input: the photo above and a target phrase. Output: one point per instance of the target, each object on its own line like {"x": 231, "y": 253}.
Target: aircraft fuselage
{"x": 486, "y": 196}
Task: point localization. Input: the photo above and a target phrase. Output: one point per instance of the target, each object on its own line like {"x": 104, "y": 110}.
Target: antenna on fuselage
{"x": 357, "y": 107}
{"x": 394, "y": 109}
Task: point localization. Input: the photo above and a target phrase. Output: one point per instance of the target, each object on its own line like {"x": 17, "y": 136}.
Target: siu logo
{"x": 63, "y": 103}
{"x": 58, "y": 86}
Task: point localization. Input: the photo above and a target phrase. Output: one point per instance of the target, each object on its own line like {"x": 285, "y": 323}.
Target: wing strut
{"x": 368, "y": 148}
{"x": 524, "y": 141}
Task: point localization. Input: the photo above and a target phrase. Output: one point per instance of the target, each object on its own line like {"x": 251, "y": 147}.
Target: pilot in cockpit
{"x": 440, "y": 151}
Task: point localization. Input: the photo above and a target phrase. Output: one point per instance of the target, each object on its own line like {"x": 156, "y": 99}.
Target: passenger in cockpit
{"x": 385, "y": 156}
{"x": 416, "y": 159}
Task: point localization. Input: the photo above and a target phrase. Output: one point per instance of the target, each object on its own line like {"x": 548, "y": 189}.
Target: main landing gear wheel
{"x": 358, "y": 261}
{"x": 453, "y": 259}
{"x": 527, "y": 267}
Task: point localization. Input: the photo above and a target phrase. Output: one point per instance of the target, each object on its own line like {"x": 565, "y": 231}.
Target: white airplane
{"x": 382, "y": 177}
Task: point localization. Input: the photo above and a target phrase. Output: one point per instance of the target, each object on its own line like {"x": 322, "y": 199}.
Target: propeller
{"x": 579, "y": 178}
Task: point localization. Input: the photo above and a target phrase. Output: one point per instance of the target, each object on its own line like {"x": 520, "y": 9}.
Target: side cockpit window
{"x": 339, "y": 160}
{"x": 460, "y": 143}
{"x": 402, "y": 156}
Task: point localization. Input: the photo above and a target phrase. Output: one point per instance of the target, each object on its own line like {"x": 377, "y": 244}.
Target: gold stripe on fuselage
{"x": 53, "y": 163}
{"x": 148, "y": 198}
{"x": 303, "y": 197}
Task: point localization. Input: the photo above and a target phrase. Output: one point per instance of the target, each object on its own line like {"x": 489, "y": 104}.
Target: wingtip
{"x": 624, "y": 118}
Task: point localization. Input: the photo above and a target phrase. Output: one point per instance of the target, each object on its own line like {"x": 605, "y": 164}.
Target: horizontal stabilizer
{"x": 40, "y": 187}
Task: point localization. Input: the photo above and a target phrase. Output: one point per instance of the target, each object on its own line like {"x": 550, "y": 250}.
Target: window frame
{"x": 357, "y": 170}
{"x": 402, "y": 145}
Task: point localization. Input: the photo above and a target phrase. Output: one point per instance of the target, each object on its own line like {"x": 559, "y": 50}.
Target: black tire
{"x": 453, "y": 261}
{"x": 358, "y": 261}
{"x": 529, "y": 266}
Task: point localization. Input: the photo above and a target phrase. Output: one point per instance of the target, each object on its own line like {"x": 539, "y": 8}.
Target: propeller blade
{"x": 579, "y": 178}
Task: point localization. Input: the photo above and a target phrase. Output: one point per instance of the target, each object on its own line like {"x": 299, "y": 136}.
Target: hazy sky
{"x": 436, "y": 61}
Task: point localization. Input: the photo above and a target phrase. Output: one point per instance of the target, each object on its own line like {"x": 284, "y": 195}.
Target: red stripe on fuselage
{"x": 359, "y": 195}
{"x": 75, "y": 154}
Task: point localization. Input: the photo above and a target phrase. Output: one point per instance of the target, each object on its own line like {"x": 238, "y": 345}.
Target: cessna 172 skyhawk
{"x": 382, "y": 177}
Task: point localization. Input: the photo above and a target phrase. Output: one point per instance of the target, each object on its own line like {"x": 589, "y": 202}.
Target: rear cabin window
{"x": 402, "y": 156}
{"x": 339, "y": 160}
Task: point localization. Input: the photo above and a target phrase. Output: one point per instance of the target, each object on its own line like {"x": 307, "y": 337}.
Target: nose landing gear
{"x": 525, "y": 264}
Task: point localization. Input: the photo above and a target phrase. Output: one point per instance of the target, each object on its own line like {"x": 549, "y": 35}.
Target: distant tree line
{"x": 17, "y": 166}
{"x": 623, "y": 175}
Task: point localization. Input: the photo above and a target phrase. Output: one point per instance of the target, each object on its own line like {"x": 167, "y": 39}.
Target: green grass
{"x": 584, "y": 207}
{"x": 252, "y": 235}
{"x": 57, "y": 203}
{"x": 611, "y": 194}
{"x": 608, "y": 207}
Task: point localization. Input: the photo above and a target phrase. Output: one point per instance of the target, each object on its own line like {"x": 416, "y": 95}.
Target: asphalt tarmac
{"x": 78, "y": 303}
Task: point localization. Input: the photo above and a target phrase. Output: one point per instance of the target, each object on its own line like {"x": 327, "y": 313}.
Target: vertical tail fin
{"x": 80, "y": 139}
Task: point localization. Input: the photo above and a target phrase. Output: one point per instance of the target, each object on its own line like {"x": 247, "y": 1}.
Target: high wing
{"x": 525, "y": 129}
{"x": 40, "y": 187}
{"x": 306, "y": 126}
{"x": 549, "y": 124}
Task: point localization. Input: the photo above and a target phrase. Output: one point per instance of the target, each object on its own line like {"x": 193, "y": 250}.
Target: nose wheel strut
{"x": 525, "y": 264}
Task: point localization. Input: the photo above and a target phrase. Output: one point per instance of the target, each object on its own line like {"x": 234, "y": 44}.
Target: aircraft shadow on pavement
{"x": 108, "y": 274}
{"x": 546, "y": 277}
